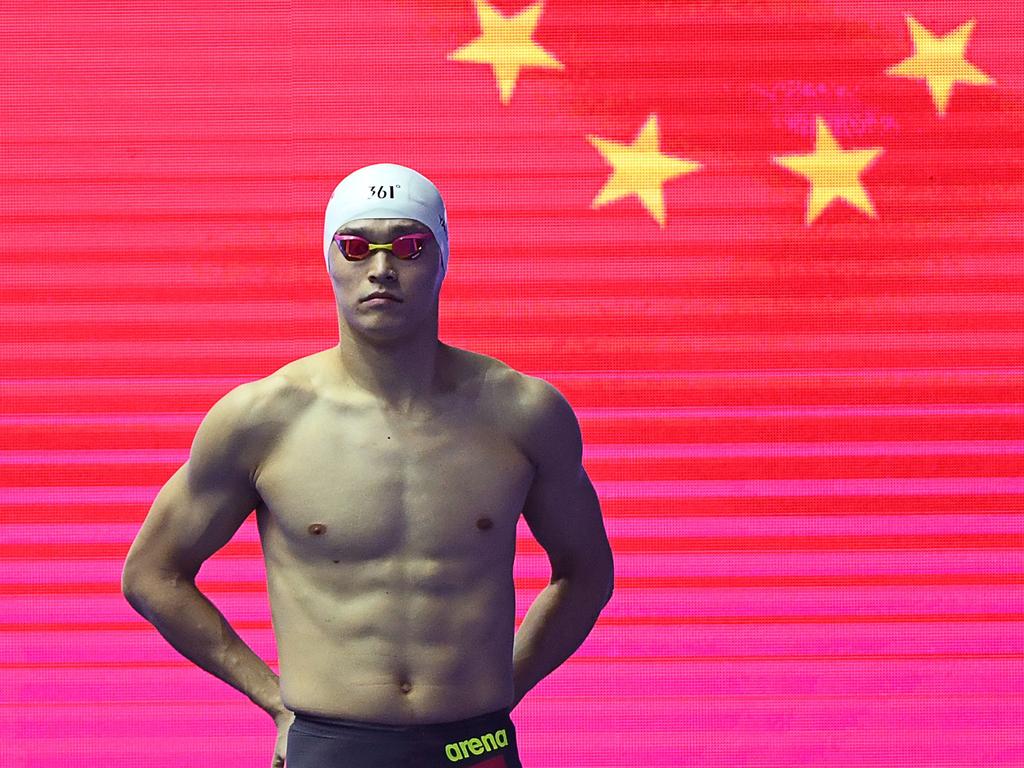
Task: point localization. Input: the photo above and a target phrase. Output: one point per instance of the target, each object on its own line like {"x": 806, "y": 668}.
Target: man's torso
{"x": 389, "y": 540}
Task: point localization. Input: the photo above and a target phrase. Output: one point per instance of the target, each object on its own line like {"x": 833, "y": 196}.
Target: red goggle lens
{"x": 404, "y": 247}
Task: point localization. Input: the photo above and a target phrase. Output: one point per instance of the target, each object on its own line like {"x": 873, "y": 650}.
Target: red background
{"x": 805, "y": 438}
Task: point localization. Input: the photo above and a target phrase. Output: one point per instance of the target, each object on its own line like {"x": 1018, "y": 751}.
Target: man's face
{"x": 416, "y": 282}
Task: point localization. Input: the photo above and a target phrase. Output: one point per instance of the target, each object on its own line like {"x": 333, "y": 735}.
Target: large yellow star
{"x": 506, "y": 43}
{"x": 940, "y": 61}
{"x": 833, "y": 172}
{"x": 639, "y": 169}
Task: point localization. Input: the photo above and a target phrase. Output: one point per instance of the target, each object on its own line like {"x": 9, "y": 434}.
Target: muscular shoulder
{"x": 538, "y": 417}
{"x": 277, "y": 396}
{"x": 257, "y": 412}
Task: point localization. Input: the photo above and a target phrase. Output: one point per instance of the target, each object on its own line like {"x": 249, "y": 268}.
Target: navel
{"x": 317, "y": 528}
{"x": 484, "y": 523}
{"x": 406, "y": 686}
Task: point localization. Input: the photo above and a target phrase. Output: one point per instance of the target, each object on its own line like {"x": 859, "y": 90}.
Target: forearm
{"x": 198, "y": 631}
{"x": 555, "y": 625}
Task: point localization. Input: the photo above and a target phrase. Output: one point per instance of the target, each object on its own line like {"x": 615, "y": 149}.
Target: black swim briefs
{"x": 484, "y": 741}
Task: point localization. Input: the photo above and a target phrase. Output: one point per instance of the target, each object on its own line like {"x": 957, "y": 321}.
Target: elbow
{"x": 129, "y": 580}
{"x": 139, "y": 579}
{"x": 134, "y": 574}
{"x": 131, "y": 590}
{"x": 132, "y": 587}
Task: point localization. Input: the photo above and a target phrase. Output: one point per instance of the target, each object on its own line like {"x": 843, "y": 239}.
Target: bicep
{"x": 562, "y": 508}
{"x": 204, "y": 502}
{"x": 563, "y": 513}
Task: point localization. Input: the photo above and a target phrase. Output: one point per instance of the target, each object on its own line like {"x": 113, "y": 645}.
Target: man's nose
{"x": 381, "y": 261}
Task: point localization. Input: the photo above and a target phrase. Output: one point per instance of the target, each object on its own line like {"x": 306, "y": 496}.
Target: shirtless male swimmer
{"x": 387, "y": 474}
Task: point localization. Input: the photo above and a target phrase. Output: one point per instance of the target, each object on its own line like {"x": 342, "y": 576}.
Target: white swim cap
{"x": 387, "y": 191}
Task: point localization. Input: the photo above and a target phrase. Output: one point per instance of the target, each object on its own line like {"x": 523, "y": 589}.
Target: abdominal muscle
{"x": 395, "y": 645}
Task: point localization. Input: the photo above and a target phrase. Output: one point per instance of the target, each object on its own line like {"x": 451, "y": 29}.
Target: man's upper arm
{"x": 205, "y": 501}
{"x": 562, "y": 509}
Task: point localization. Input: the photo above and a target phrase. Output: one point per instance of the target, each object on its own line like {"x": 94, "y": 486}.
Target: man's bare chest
{"x": 357, "y": 485}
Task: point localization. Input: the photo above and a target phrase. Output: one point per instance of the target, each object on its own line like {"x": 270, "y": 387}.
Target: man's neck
{"x": 400, "y": 376}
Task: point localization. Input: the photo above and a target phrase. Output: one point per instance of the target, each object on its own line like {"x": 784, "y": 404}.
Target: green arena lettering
{"x": 488, "y": 742}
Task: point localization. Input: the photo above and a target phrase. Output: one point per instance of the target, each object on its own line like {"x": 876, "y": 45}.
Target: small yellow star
{"x": 639, "y": 169}
{"x": 940, "y": 61}
{"x": 833, "y": 173}
{"x": 506, "y": 43}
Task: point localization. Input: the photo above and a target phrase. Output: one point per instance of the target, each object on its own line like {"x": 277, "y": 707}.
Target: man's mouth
{"x": 385, "y": 296}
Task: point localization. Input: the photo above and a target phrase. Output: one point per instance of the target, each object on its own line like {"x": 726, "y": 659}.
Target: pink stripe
{"x": 790, "y": 641}
{"x": 803, "y": 411}
{"x": 610, "y": 299}
{"x": 964, "y": 522}
{"x": 626, "y": 451}
{"x": 821, "y": 599}
{"x": 59, "y": 457}
{"x": 181, "y": 420}
{"x": 696, "y": 564}
{"x": 583, "y": 413}
{"x": 670, "y": 342}
{"x": 595, "y": 451}
{"x": 613, "y": 489}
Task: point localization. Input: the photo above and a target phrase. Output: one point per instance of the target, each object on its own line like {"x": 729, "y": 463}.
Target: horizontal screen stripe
{"x": 966, "y": 521}
{"x": 646, "y": 584}
{"x": 587, "y": 658}
{"x": 681, "y": 489}
{"x": 652, "y": 413}
{"x": 636, "y": 621}
{"x": 594, "y": 451}
{"x": 958, "y": 542}
{"x": 237, "y": 560}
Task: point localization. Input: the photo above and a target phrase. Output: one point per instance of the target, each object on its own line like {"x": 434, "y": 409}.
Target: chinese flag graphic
{"x": 772, "y": 254}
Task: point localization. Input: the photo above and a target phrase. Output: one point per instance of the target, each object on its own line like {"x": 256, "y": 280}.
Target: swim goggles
{"x": 408, "y": 247}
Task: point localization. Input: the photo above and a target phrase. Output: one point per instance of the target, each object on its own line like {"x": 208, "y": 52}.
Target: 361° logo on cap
{"x": 384, "y": 191}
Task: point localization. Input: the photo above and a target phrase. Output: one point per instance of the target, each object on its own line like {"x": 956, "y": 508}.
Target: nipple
{"x": 484, "y": 523}
{"x": 317, "y": 528}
